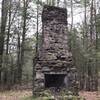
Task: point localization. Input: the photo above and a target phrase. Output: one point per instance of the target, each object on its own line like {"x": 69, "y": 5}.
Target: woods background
{"x": 20, "y": 37}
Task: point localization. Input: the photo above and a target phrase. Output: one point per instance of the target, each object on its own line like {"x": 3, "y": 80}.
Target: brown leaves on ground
{"x": 18, "y": 95}
{"x": 15, "y": 95}
{"x": 90, "y": 95}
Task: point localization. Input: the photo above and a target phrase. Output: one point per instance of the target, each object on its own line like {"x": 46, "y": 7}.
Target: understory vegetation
{"x": 20, "y": 38}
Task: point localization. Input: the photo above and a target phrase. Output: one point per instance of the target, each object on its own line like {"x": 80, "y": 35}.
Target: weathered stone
{"x": 50, "y": 56}
{"x": 39, "y": 75}
{"x": 54, "y": 55}
{"x": 46, "y": 69}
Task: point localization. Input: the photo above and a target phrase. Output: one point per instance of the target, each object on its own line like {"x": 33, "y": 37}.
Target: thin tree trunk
{"x": 18, "y": 59}
{"x": 47, "y": 2}
{"x": 71, "y": 28}
{"x": 85, "y": 42}
{"x": 36, "y": 48}
{"x": 91, "y": 22}
{"x": 71, "y": 15}
{"x": 65, "y": 4}
{"x": 2, "y": 33}
{"x": 7, "y": 44}
{"x": 96, "y": 47}
{"x": 85, "y": 25}
{"x": 58, "y": 1}
{"x": 23, "y": 38}
{"x": 9, "y": 26}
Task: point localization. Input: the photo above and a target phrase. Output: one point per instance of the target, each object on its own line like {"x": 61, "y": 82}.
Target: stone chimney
{"x": 55, "y": 60}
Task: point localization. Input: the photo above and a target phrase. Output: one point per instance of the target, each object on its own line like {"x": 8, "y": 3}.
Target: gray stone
{"x": 54, "y": 56}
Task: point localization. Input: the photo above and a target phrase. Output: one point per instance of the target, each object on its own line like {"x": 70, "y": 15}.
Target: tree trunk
{"x": 18, "y": 59}
{"x": 36, "y": 47}
{"x": 71, "y": 15}
{"x": 2, "y": 33}
{"x": 24, "y": 17}
{"x": 58, "y": 1}
{"x": 7, "y": 44}
{"x": 91, "y": 22}
{"x": 96, "y": 47}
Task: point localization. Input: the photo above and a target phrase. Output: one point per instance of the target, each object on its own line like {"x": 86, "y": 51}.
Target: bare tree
{"x": 71, "y": 15}
{"x": 58, "y": 1}
{"x": 2, "y": 33}
{"x": 91, "y": 21}
{"x": 36, "y": 45}
{"x": 24, "y": 19}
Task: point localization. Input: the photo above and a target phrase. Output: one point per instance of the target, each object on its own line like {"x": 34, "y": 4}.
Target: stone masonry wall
{"x": 54, "y": 55}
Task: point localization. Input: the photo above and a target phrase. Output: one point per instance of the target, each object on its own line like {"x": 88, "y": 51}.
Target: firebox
{"x": 54, "y": 80}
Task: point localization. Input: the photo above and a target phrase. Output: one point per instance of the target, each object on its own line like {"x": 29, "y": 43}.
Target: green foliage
{"x": 29, "y": 98}
{"x": 52, "y": 98}
{"x": 82, "y": 2}
{"x": 98, "y": 23}
{"x": 28, "y": 59}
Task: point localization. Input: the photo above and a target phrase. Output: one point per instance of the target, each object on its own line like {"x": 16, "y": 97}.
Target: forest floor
{"x": 90, "y": 95}
{"x": 22, "y": 94}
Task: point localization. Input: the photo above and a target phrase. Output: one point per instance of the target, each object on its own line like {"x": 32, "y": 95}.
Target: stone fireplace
{"x": 54, "y": 65}
{"x": 54, "y": 80}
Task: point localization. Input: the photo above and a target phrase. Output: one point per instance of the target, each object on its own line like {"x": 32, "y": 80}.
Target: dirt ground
{"x": 90, "y": 95}
{"x": 15, "y": 95}
{"x": 19, "y": 95}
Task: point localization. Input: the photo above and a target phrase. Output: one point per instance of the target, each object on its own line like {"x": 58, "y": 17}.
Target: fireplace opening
{"x": 54, "y": 80}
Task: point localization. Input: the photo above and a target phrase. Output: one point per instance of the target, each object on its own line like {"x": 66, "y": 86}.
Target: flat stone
{"x": 54, "y": 56}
